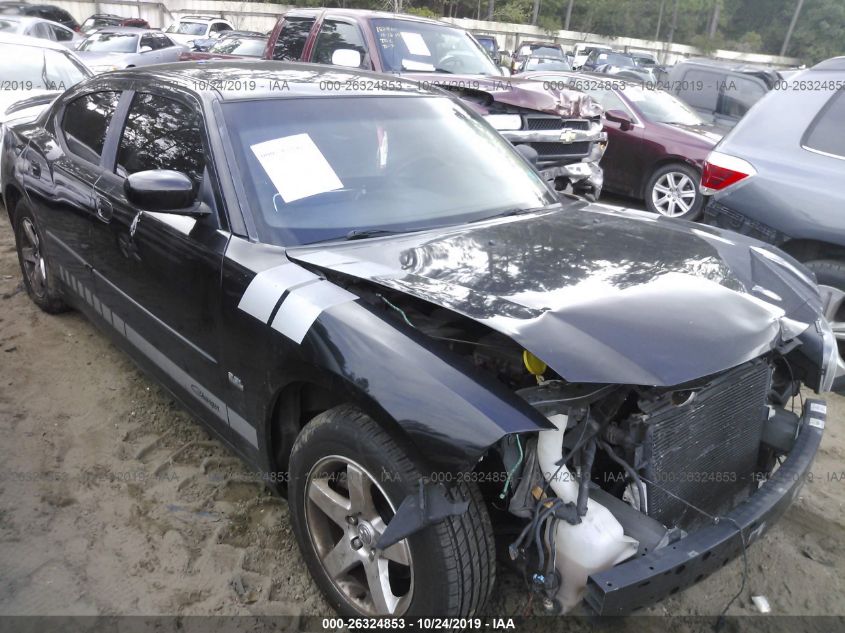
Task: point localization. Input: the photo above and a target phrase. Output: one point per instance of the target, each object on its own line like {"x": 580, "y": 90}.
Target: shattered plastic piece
{"x": 762, "y": 604}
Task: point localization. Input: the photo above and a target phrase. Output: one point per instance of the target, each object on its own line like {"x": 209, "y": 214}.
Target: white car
{"x": 583, "y": 50}
{"x": 34, "y": 73}
{"x": 196, "y": 27}
{"x": 40, "y": 29}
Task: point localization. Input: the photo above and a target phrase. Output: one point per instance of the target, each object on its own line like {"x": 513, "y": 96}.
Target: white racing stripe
{"x": 303, "y": 305}
{"x": 267, "y": 287}
{"x": 308, "y": 295}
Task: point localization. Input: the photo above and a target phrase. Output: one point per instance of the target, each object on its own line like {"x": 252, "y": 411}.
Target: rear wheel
{"x": 348, "y": 477}
{"x": 672, "y": 191}
{"x": 38, "y": 277}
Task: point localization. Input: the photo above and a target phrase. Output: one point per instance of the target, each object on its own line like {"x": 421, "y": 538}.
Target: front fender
{"x": 451, "y": 412}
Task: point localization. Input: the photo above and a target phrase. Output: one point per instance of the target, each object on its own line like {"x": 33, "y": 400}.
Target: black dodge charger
{"x": 375, "y": 300}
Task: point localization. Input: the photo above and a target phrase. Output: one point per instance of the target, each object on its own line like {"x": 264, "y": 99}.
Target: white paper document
{"x": 415, "y": 44}
{"x": 296, "y": 167}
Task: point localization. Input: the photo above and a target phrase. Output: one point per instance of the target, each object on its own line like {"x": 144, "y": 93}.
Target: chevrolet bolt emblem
{"x": 567, "y": 136}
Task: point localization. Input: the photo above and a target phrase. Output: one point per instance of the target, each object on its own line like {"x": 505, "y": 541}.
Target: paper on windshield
{"x": 415, "y": 44}
{"x": 296, "y": 167}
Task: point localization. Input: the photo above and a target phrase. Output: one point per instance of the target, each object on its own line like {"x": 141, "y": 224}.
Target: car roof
{"x": 834, "y": 63}
{"x": 232, "y": 80}
{"x": 132, "y": 30}
{"x": 26, "y": 40}
{"x": 200, "y": 18}
{"x": 370, "y": 14}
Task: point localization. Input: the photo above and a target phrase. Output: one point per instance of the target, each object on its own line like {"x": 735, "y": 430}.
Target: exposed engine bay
{"x": 628, "y": 469}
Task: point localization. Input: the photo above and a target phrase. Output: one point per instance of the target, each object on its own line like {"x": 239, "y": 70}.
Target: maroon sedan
{"x": 656, "y": 143}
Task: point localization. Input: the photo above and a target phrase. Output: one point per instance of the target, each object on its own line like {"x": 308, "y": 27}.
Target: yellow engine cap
{"x": 533, "y": 364}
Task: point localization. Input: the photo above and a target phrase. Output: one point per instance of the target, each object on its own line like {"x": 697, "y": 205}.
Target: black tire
{"x": 39, "y": 276}
{"x": 453, "y": 561}
{"x": 680, "y": 172}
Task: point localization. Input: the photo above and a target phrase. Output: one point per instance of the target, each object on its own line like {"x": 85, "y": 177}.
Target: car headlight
{"x": 505, "y": 122}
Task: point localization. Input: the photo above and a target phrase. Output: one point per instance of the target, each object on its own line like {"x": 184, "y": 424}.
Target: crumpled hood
{"x": 513, "y": 91}
{"x": 599, "y": 295}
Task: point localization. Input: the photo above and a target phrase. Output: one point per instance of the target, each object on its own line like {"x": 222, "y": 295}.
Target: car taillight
{"x": 723, "y": 170}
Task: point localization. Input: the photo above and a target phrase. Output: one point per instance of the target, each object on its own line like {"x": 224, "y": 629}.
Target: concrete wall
{"x": 260, "y": 16}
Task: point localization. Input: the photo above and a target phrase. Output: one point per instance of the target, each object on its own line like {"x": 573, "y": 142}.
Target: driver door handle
{"x": 104, "y": 209}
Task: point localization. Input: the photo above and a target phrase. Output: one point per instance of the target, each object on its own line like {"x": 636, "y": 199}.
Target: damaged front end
{"x": 563, "y": 127}
{"x": 642, "y": 491}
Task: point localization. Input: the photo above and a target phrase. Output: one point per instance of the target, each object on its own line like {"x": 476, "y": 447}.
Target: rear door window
{"x": 292, "y": 38}
{"x": 336, "y": 35}
{"x": 739, "y": 94}
{"x": 60, "y": 34}
{"x": 700, "y": 89}
{"x": 85, "y": 123}
{"x": 825, "y": 132}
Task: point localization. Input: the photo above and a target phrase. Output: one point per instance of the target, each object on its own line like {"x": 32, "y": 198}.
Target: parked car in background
{"x": 125, "y": 47}
{"x": 563, "y": 127}
{"x": 188, "y": 28}
{"x": 43, "y": 11}
{"x": 39, "y": 28}
{"x": 31, "y": 67}
{"x": 779, "y": 176}
{"x": 382, "y": 309}
{"x": 100, "y": 21}
{"x": 619, "y": 65}
{"x": 721, "y": 92}
{"x": 206, "y": 43}
{"x": 582, "y": 50}
{"x": 543, "y": 64}
{"x": 656, "y": 144}
{"x": 525, "y": 50}
{"x": 226, "y": 47}
{"x": 491, "y": 45}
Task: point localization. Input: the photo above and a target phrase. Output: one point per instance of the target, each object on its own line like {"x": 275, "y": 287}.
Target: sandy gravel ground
{"x": 114, "y": 501}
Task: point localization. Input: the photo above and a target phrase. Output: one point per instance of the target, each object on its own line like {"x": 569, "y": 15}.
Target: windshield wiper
{"x": 359, "y": 234}
{"x": 511, "y": 212}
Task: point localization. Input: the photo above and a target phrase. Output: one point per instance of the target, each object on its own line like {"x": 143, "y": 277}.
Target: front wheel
{"x": 348, "y": 477}
{"x": 672, "y": 191}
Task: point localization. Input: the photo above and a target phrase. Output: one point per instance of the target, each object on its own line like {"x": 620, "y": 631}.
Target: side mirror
{"x": 528, "y": 153}
{"x": 622, "y": 118}
{"x": 146, "y": 49}
{"x": 161, "y": 190}
{"x": 348, "y": 57}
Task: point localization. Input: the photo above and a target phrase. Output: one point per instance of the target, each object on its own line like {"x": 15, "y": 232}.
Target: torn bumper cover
{"x": 650, "y": 578}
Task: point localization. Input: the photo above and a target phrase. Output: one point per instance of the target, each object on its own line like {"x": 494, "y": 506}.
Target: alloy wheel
{"x": 34, "y": 265}
{"x": 346, "y": 513}
{"x": 673, "y": 194}
{"x": 833, "y": 300}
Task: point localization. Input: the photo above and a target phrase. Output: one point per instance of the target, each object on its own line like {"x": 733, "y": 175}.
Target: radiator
{"x": 706, "y": 451}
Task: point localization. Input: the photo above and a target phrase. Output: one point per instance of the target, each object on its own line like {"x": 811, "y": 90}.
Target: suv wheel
{"x": 38, "y": 276}
{"x": 673, "y": 191}
{"x": 831, "y": 277}
{"x": 347, "y": 477}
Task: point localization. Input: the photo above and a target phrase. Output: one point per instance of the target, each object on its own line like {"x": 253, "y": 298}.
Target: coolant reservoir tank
{"x": 595, "y": 544}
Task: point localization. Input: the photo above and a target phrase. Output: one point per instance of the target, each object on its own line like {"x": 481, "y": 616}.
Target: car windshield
{"x": 488, "y": 44}
{"x": 645, "y": 62}
{"x": 187, "y": 28}
{"x": 661, "y": 107}
{"x": 615, "y": 59}
{"x": 407, "y": 45}
{"x": 249, "y": 47}
{"x": 319, "y": 168}
{"x": 110, "y": 43}
{"x": 547, "y": 64}
{"x": 544, "y": 51}
{"x": 40, "y": 68}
